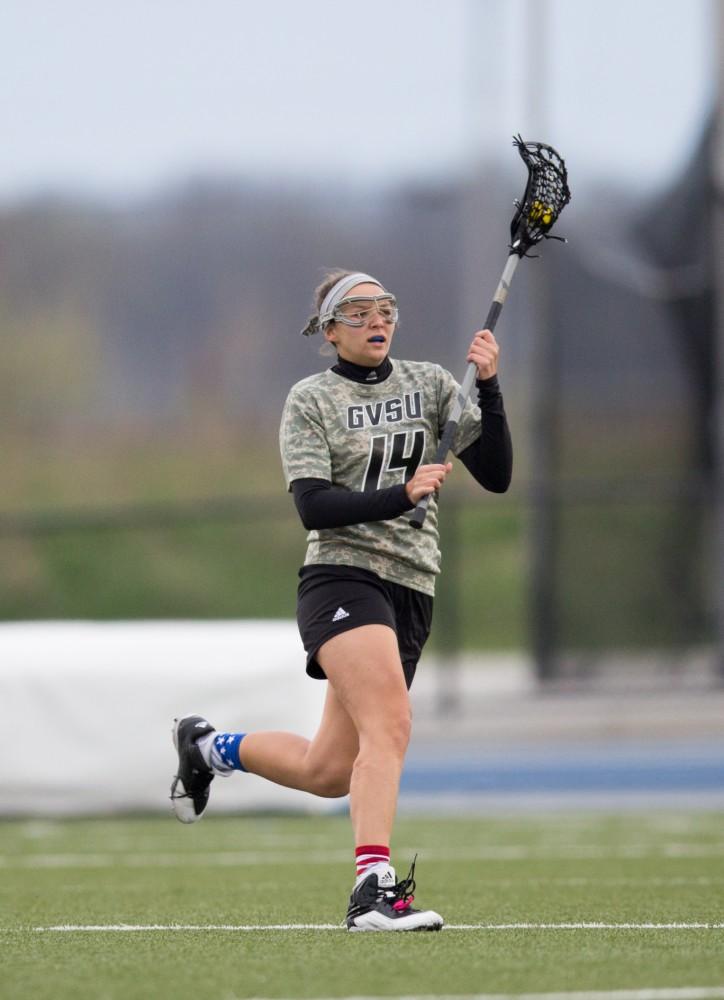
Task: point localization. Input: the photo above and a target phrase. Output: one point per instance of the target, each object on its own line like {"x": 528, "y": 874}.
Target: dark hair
{"x": 330, "y": 280}
{"x": 320, "y": 293}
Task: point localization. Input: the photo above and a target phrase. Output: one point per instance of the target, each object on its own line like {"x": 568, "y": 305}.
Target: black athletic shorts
{"x": 334, "y": 599}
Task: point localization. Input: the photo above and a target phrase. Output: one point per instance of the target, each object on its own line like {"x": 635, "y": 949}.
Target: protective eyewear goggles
{"x": 356, "y": 310}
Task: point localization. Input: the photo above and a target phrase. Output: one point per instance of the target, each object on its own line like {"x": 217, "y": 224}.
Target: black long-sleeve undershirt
{"x": 489, "y": 459}
{"x": 322, "y": 505}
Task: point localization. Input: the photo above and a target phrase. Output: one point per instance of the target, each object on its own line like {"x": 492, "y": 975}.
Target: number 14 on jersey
{"x": 402, "y": 451}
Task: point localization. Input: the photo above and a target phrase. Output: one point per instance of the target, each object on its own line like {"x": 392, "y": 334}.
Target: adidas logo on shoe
{"x": 339, "y": 614}
{"x": 387, "y": 879}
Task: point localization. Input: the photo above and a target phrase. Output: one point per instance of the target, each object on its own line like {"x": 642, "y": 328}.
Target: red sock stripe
{"x": 372, "y": 849}
{"x": 367, "y": 855}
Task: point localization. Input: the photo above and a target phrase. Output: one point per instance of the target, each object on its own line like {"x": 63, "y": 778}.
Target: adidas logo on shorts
{"x": 339, "y": 614}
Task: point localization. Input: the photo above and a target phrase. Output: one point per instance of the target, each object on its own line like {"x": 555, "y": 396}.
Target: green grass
{"x": 275, "y": 870}
{"x": 192, "y": 561}
{"x": 625, "y": 574}
{"x": 246, "y": 567}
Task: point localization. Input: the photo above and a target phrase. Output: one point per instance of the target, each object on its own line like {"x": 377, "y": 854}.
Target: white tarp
{"x": 87, "y": 709}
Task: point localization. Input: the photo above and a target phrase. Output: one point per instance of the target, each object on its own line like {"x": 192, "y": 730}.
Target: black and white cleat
{"x": 190, "y": 787}
{"x": 379, "y": 903}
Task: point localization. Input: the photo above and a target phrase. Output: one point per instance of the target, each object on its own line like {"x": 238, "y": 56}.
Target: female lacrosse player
{"x": 357, "y": 443}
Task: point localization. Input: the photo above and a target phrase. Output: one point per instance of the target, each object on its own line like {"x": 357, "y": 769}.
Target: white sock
{"x": 211, "y": 755}
{"x": 385, "y": 873}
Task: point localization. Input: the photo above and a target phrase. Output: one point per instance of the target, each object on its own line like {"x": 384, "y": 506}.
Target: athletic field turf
{"x": 117, "y": 909}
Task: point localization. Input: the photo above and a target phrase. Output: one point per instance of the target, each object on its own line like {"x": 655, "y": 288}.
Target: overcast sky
{"x": 118, "y": 98}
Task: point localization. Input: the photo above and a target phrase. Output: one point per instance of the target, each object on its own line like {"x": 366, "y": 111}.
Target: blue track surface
{"x": 664, "y": 768}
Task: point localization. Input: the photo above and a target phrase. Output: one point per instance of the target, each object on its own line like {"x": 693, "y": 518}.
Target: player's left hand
{"x": 484, "y": 353}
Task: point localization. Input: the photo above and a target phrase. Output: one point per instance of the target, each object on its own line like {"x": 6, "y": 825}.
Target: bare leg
{"x": 362, "y": 738}
{"x": 321, "y": 766}
{"x": 364, "y": 669}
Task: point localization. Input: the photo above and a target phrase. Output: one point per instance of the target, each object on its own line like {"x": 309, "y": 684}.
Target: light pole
{"x": 544, "y": 365}
{"x": 717, "y": 168}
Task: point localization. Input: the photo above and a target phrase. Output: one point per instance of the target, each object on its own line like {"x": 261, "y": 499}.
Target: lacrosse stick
{"x": 546, "y": 195}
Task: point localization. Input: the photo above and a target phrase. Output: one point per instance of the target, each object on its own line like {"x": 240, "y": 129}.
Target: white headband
{"x": 339, "y": 290}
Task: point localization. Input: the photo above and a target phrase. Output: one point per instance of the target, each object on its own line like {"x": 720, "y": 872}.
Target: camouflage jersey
{"x": 368, "y": 437}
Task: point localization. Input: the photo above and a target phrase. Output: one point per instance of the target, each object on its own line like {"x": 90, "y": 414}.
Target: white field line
{"x": 604, "y": 882}
{"x": 665, "y": 993}
{"x": 169, "y": 859}
{"x": 582, "y": 925}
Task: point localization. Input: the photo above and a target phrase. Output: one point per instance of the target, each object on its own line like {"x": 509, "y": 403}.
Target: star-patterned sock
{"x": 221, "y": 752}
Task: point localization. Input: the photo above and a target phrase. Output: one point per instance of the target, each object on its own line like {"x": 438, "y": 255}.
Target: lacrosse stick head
{"x": 546, "y": 195}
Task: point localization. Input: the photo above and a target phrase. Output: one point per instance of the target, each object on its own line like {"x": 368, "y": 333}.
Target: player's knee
{"x": 392, "y": 730}
{"x": 401, "y": 730}
{"x": 332, "y": 782}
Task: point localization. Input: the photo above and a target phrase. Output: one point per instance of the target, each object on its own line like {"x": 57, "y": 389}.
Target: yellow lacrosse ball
{"x": 541, "y": 213}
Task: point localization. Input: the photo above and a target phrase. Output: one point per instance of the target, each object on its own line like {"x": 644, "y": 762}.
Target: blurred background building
{"x": 175, "y": 180}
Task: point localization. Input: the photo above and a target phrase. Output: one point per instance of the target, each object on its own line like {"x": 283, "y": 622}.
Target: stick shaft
{"x": 417, "y": 517}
